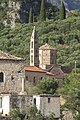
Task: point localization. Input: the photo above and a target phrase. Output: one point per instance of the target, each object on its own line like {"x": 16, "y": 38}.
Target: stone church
{"x": 12, "y": 87}
{"x": 43, "y": 57}
{"x": 14, "y": 73}
{"x": 43, "y": 61}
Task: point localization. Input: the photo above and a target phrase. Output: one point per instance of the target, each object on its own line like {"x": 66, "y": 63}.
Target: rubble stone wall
{"x": 13, "y": 73}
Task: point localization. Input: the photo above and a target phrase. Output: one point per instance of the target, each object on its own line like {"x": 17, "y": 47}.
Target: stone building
{"x": 33, "y": 74}
{"x": 11, "y": 72}
{"x": 47, "y": 104}
{"x": 47, "y": 56}
{"x": 9, "y": 101}
{"x": 43, "y": 61}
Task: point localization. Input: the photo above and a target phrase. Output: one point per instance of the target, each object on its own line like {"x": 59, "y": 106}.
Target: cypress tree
{"x": 62, "y": 11}
{"x": 31, "y": 15}
{"x": 42, "y": 11}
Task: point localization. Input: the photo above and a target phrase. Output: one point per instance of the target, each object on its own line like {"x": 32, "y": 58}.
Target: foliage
{"x": 62, "y": 11}
{"x": 15, "y": 114}
{"x": 50, "y": 117}
{"x": 78, "y": 116}
{"x": 46, "y": 86}
{"x": 42, "y": 11}
{"x": 3, "y": 12}
{"x": 63, "y": 35}
{"x": 32, "y": 114}
{"x": 30, "y": 89}
{"x": 24, "y": 12}
{"x": 31, "y": 15}
{"x": 51, "y": 11}
{"x": 71, "y": 93}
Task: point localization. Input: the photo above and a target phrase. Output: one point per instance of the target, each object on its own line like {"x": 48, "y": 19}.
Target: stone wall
{"x": 15, "y": 101}
{"x": 47, "y": 58}
{"x": 13, "y": 74}
{"x": 33, "y": 77}
{"x": 23, "y": 102}
{"x": 11, "y": 86}
{"x": 47, "y": 104}
{"x": 50, "y": 105}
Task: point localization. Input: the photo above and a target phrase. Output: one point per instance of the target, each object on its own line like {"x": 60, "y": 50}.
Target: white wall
{"x": 6, "y": 104}
{"x": 37, "y": 101}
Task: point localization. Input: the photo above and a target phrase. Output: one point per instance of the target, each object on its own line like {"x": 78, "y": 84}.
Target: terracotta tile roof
{"x": 46, "y": 46}
{"x": 34, "y": 69}
{"x": 37, "y": 69}
{"x": 48, "y": 73}
{"x": 6, "y": 56}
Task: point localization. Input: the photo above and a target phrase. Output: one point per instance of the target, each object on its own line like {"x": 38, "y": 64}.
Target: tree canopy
{"x": 42, "y": 11}
{"x": 62, "y": 11}
{"x": 46, "y": 86}
{"x": 71, "y": 93}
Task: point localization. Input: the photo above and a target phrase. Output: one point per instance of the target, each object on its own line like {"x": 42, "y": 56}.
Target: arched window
{"x": 1, "y": 77}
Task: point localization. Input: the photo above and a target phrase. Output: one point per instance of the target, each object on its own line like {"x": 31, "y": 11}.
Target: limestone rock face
{"x": 70, "y": 4}
{"x": 12, "y": 13}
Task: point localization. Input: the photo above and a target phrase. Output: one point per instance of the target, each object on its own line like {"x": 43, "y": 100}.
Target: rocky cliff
{"x": 70, "y": 4}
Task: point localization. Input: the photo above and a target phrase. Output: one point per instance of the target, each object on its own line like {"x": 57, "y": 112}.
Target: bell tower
{"x": 34, "y": 49}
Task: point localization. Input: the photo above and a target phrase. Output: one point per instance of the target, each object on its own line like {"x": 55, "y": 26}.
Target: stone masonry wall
{"x": 11, "y": 86}
{"x": 23, "y": 102}
{"x": 13, "y": 73}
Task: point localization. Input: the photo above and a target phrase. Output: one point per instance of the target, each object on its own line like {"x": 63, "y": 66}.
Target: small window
{"x": 41, "y": 78}
{"x": 34, "y": 80}
{"x": 26, "y": 77}
{"x": 0, "y": 102}
{"x": 34, "y": 101}
{"x": 1, "y": 77}
{"x": 36, "y": 41}
{"x": 32, "y": 44}
{"x": 36, "y": 55}
{"x": 31, "y": 58}
{"x": 48, "y": 100}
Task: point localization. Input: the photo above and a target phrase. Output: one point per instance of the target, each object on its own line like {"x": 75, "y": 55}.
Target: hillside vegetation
{"x": 61, "y": 34}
